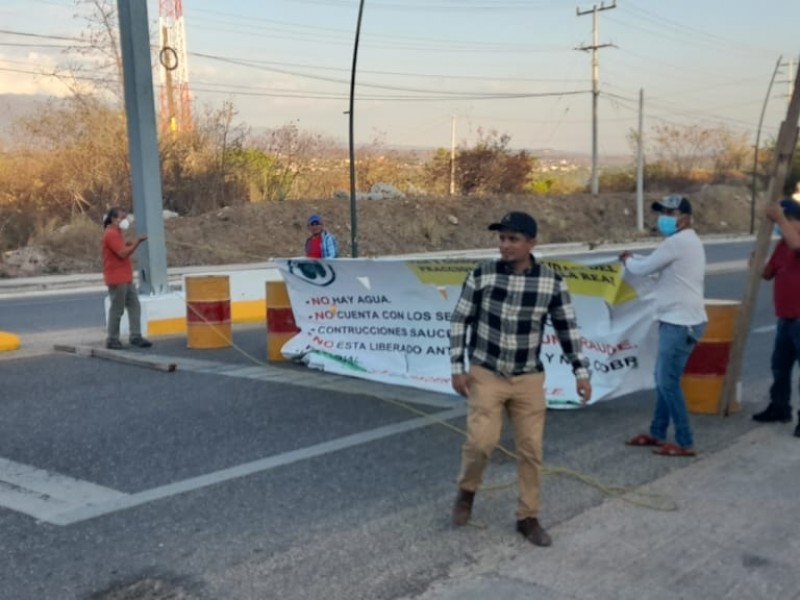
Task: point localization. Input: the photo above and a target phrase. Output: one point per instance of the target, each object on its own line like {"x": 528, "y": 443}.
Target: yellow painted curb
{"x": 166, "y": 326}
{"x": 8, "y": 341}
{"x": 248, "y": 311}
{"x": 243, "y": 311}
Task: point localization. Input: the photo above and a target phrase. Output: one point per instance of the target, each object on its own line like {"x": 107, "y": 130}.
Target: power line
{"x": 309, "y": 66}
{"x": 40, "y": 35}
{"x": 410, "y": 74}
{"x": 693, "y": 33}
{"x": 483, "y": 6}
{"x": 460, "y": 46}
{"x": 629, "y": 103}
{"x": 320, "y": 95}
{"x": 245, "y": 63}
{"x": 315, "y": 29}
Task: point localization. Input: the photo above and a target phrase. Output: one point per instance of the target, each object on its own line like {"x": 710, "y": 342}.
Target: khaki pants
{"x": 124, "y": 296}
{"x": 523, "y": 398}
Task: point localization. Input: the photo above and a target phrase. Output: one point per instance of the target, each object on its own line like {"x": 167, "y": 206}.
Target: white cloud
{"x": 30, "y": 75}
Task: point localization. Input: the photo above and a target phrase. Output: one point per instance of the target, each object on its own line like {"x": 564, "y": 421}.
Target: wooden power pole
{"x": 787, "y": 141}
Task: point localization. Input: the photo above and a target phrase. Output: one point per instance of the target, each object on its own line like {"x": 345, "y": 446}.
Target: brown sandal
{"x": 643, "y": 440}
{"x": 673, "y": 450}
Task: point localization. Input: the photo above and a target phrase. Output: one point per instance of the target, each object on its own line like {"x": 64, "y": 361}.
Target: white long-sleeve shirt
{"x": 680, "y": 261}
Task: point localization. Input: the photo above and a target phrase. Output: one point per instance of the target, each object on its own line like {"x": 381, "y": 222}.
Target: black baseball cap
{"x": 674, "y": 202}
{"x": 791, "y": 208}
{"x": 520, "y": 222}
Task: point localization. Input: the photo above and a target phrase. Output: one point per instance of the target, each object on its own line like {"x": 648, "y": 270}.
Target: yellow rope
{"x": 627, "y": 494}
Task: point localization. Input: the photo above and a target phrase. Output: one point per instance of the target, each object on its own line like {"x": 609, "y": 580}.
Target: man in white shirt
{"x": 680, "y": 264}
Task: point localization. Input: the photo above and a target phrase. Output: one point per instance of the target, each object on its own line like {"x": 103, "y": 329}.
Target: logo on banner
{"x": 312, "y": 271}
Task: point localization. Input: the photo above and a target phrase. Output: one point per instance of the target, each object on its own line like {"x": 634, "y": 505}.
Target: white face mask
{"x": 124, "y": 224}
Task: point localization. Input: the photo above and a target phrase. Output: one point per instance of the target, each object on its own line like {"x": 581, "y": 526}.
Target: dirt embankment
{"x": 258, "y": 232}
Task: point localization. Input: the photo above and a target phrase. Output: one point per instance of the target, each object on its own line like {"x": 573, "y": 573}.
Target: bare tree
{"x": 293, "y": 152}
{"x": 94, "y": 63}
{"x": 684, "y": 147}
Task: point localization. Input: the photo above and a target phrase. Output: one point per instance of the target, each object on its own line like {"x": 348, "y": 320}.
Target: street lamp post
{"x": 351, "y": 111}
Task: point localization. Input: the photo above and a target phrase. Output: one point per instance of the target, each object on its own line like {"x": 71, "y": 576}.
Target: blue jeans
{"x": 675, "y": 344}
{"x": 785, "y": 354}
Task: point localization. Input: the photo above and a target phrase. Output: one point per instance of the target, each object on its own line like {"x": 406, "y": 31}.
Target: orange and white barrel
{"x": 208, "y": 312}
{"x": 281, "y": 326}
{"x": 704, "y": 374}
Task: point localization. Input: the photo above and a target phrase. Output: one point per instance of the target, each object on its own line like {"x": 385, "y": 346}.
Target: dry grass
{"x": 258, "y": 232}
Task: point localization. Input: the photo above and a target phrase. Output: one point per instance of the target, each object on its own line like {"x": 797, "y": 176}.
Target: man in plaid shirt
{"x": 498, "y": 324}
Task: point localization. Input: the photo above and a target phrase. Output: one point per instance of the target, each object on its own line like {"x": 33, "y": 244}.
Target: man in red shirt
{"x": 118, "y": 276}
{"x": 321, "y": 243}
{"x": 783, "y": 268}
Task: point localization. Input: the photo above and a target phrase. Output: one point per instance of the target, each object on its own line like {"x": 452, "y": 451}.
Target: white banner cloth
{"x": 389, "y": 321}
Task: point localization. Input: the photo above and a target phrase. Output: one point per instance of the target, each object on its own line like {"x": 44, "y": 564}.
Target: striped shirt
{"x": 504, "y": 314}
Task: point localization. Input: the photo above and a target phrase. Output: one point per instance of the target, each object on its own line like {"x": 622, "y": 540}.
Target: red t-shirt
{"x": 784, "y": 267}
{"x": 314, "y": 247}
{"x": 116, "y": 270}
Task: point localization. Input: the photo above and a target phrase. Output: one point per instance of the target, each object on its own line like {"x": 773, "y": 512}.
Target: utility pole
{"x": 453, "y": 155}
{"x": 137, "y": 75}
{"x": 758, "y": 144}
{"x": 595, "y": 82}
{"x": 784, "y": 148}
{"x": 640, "y": 167}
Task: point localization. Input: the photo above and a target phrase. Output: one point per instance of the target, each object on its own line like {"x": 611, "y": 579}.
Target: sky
{"x": 508, "y": 65}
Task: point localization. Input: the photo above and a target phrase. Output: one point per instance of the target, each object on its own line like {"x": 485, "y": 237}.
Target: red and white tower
{"x": 176, "y": 106}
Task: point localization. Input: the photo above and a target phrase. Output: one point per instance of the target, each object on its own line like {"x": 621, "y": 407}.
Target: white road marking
{"x": 124, "y": 502}
{"x": 730, "y": 266}
{"x": 765, "y": 329}
{"x": 311, "y": 378}
{"x": 43, "y": 494}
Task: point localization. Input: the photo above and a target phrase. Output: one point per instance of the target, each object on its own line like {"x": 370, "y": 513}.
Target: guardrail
{"x": 93, "y": 282}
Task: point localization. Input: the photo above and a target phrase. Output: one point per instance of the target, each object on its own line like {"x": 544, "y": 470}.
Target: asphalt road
{"x": 233, "y": 488}
{"x": 33, "y": 314}
{"x": 53, "y": 312}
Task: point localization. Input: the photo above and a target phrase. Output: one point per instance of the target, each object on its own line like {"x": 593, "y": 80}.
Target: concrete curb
{"x": 93, "y": 282}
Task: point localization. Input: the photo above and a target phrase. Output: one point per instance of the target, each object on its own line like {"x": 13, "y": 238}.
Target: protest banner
{"x": 389, "y": 321}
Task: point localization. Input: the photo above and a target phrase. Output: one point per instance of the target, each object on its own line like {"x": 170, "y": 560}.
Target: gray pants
{"x": 123, "y": 296}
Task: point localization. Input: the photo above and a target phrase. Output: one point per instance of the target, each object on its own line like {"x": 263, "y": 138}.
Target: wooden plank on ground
{"x": 117, "y": 356}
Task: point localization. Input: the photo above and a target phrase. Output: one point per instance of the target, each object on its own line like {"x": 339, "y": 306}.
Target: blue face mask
{"x": 667, "y": 225}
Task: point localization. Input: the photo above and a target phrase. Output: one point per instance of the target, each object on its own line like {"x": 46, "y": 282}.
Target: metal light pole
{"x": 640, "y": 167}
{"x": 137, "y": 75}
{"x": 758, "y": 142}
{"x": 353, "y": 213}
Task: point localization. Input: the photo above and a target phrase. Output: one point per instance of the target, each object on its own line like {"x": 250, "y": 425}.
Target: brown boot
{"x": 533, "y": 532}
{"x": 462, "y": 510}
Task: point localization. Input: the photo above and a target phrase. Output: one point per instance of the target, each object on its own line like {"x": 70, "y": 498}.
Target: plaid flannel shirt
{"x": 504, "y": 314}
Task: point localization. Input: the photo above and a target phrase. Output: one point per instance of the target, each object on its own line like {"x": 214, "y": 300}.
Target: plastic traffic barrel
{"x": 705, "y": 372}
{"x": 208, "y": 311}
{"x": 281, "y": 326}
